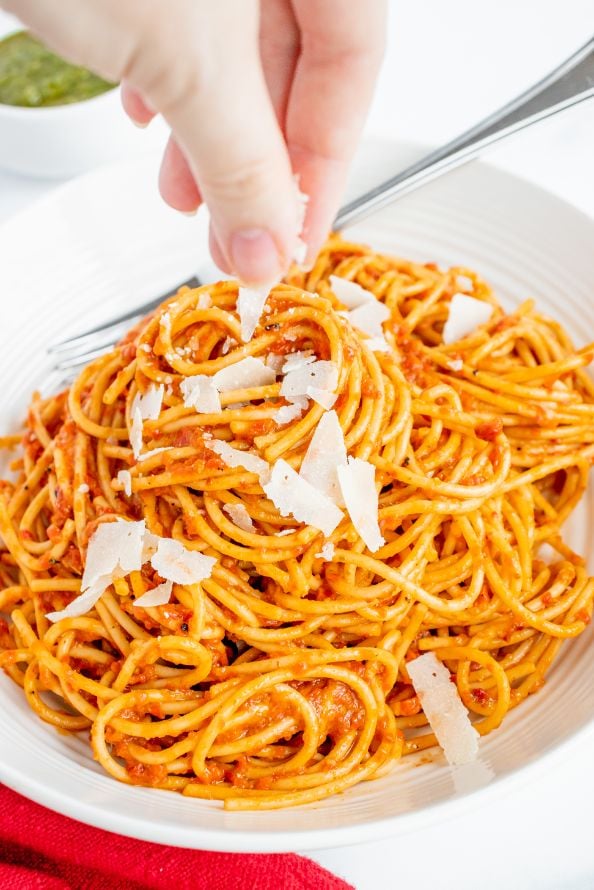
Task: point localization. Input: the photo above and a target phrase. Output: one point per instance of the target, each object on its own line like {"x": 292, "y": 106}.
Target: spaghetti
{"x": 281, "y": 678}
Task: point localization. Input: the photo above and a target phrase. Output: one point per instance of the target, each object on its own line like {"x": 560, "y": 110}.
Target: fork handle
{"x": 565, "y": 86}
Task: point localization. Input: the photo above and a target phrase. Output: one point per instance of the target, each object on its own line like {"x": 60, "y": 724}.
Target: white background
{"x": 450, "y": 62}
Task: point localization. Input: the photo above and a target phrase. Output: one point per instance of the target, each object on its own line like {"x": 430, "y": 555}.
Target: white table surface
{"x": 449, "y": 62}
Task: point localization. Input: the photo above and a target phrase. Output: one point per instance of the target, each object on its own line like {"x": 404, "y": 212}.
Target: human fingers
{"x": 176, "y": 181}
{"x": 341, "y": 50}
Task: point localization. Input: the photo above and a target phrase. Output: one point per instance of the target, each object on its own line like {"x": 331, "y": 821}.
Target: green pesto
{"x": 33, "y": 77}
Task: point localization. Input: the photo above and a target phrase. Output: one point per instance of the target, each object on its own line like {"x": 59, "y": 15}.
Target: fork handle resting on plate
{"x": 570, "y": 83}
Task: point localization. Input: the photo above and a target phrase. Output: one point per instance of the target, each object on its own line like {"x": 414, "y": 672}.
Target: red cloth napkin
{"x": 42, "y": 850}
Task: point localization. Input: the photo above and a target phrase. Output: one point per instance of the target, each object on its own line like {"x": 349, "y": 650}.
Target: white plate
{"x": 106, "y": 241}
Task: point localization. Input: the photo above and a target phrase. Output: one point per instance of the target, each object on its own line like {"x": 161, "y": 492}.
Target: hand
{"x": 252, "y": 92}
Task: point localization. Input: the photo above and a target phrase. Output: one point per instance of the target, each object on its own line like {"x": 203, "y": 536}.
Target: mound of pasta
{"x": 249, "y": 549}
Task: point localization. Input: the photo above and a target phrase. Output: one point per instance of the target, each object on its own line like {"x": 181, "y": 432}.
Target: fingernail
{"x": 255, "y": 257}
{"x": 189, "y": 212}
{"x": 142, "y": 125}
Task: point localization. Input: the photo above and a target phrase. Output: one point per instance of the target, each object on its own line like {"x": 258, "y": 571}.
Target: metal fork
{"x": 567, "y": 85}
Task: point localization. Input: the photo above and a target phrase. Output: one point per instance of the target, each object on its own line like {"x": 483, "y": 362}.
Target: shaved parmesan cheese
{"x": 245, "y": 374}
{"x": 176, "y": 563}
{"x": 228, "y": 342}
{"x": 250, "y": 305}
{"x": 456, "y": 364}
{"x": 322, "y": 397}
{"x": 152, "y": 452}
{"x": 292, "y": 411}
{"x": 285, "y": 532}
{"x": 297, "y": 360}
{"x": 136, "y": 431}
{"x": 369, "y": 317}
{"x": 444, "y": 709}
{"x": 199, "y": 392}
{"x": 158, "y": 596}
{"x": 125, "y": 479}
{"x": 291, "y": 494}
{"x": 309, "y": 380}
{"x": 299, "y": 251}
{"x": 83, "y": 488}
{"x": 83, "y": 603}
{"x": 204, "y": 301}
{"x": 325, "y": 453}
{"x": 275, "y": 361}
{"x": 115, "y": 550}
{"x": 327, "y": 551}
{"x": 150, "y": 403}
{"x": 466, "y": 315}
{"x": 377, "y": 344}
{"x": 350, "y": 293}
{"x": 150, "y": 542}
{"x": 357, "y": 484}
{"x": 233, "y": 457}
{"x": 240, "y": 516}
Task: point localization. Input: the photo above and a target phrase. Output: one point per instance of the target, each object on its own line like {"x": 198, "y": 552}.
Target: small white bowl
{"x": 63, "y": 140}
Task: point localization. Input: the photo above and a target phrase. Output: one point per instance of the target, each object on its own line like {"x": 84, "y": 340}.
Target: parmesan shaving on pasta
{"x": 158, "y": 596}
{"x": 465, "y": 316}
{"x": 293, "y": 495}
{"x": 247, "y": 373}
{"x": 174, "y": 562}
{"x": 125, "y": 480}
{"x": 369, "y": 317}
{"x": 238, "y": 514}
{"x": 357, "y": 483}
{"x": 287, "y": 413}
{"x": 350, "y": 293}
{"x": 250, "y": 305}
{"x": 233, "y": 457}
{"x": 296, "y": 360}
{"x": 325, "y": 453}
{"x": 311, "y": 380}
{"x": 199, "y": 392}
{"x": 114, "y": 550}
{"x": 444, "y": 708}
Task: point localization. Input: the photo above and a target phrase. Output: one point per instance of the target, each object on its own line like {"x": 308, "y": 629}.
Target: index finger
{"x": 342, "y": 48}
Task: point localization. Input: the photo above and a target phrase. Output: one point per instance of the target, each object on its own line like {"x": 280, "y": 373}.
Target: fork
{"x": 567, "y": 85}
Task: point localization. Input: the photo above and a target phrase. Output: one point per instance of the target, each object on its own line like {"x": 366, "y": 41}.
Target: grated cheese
{"x": 293, "y": 495}
{"x": 444, "y": 708}
{"x": 357, "y": 484}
